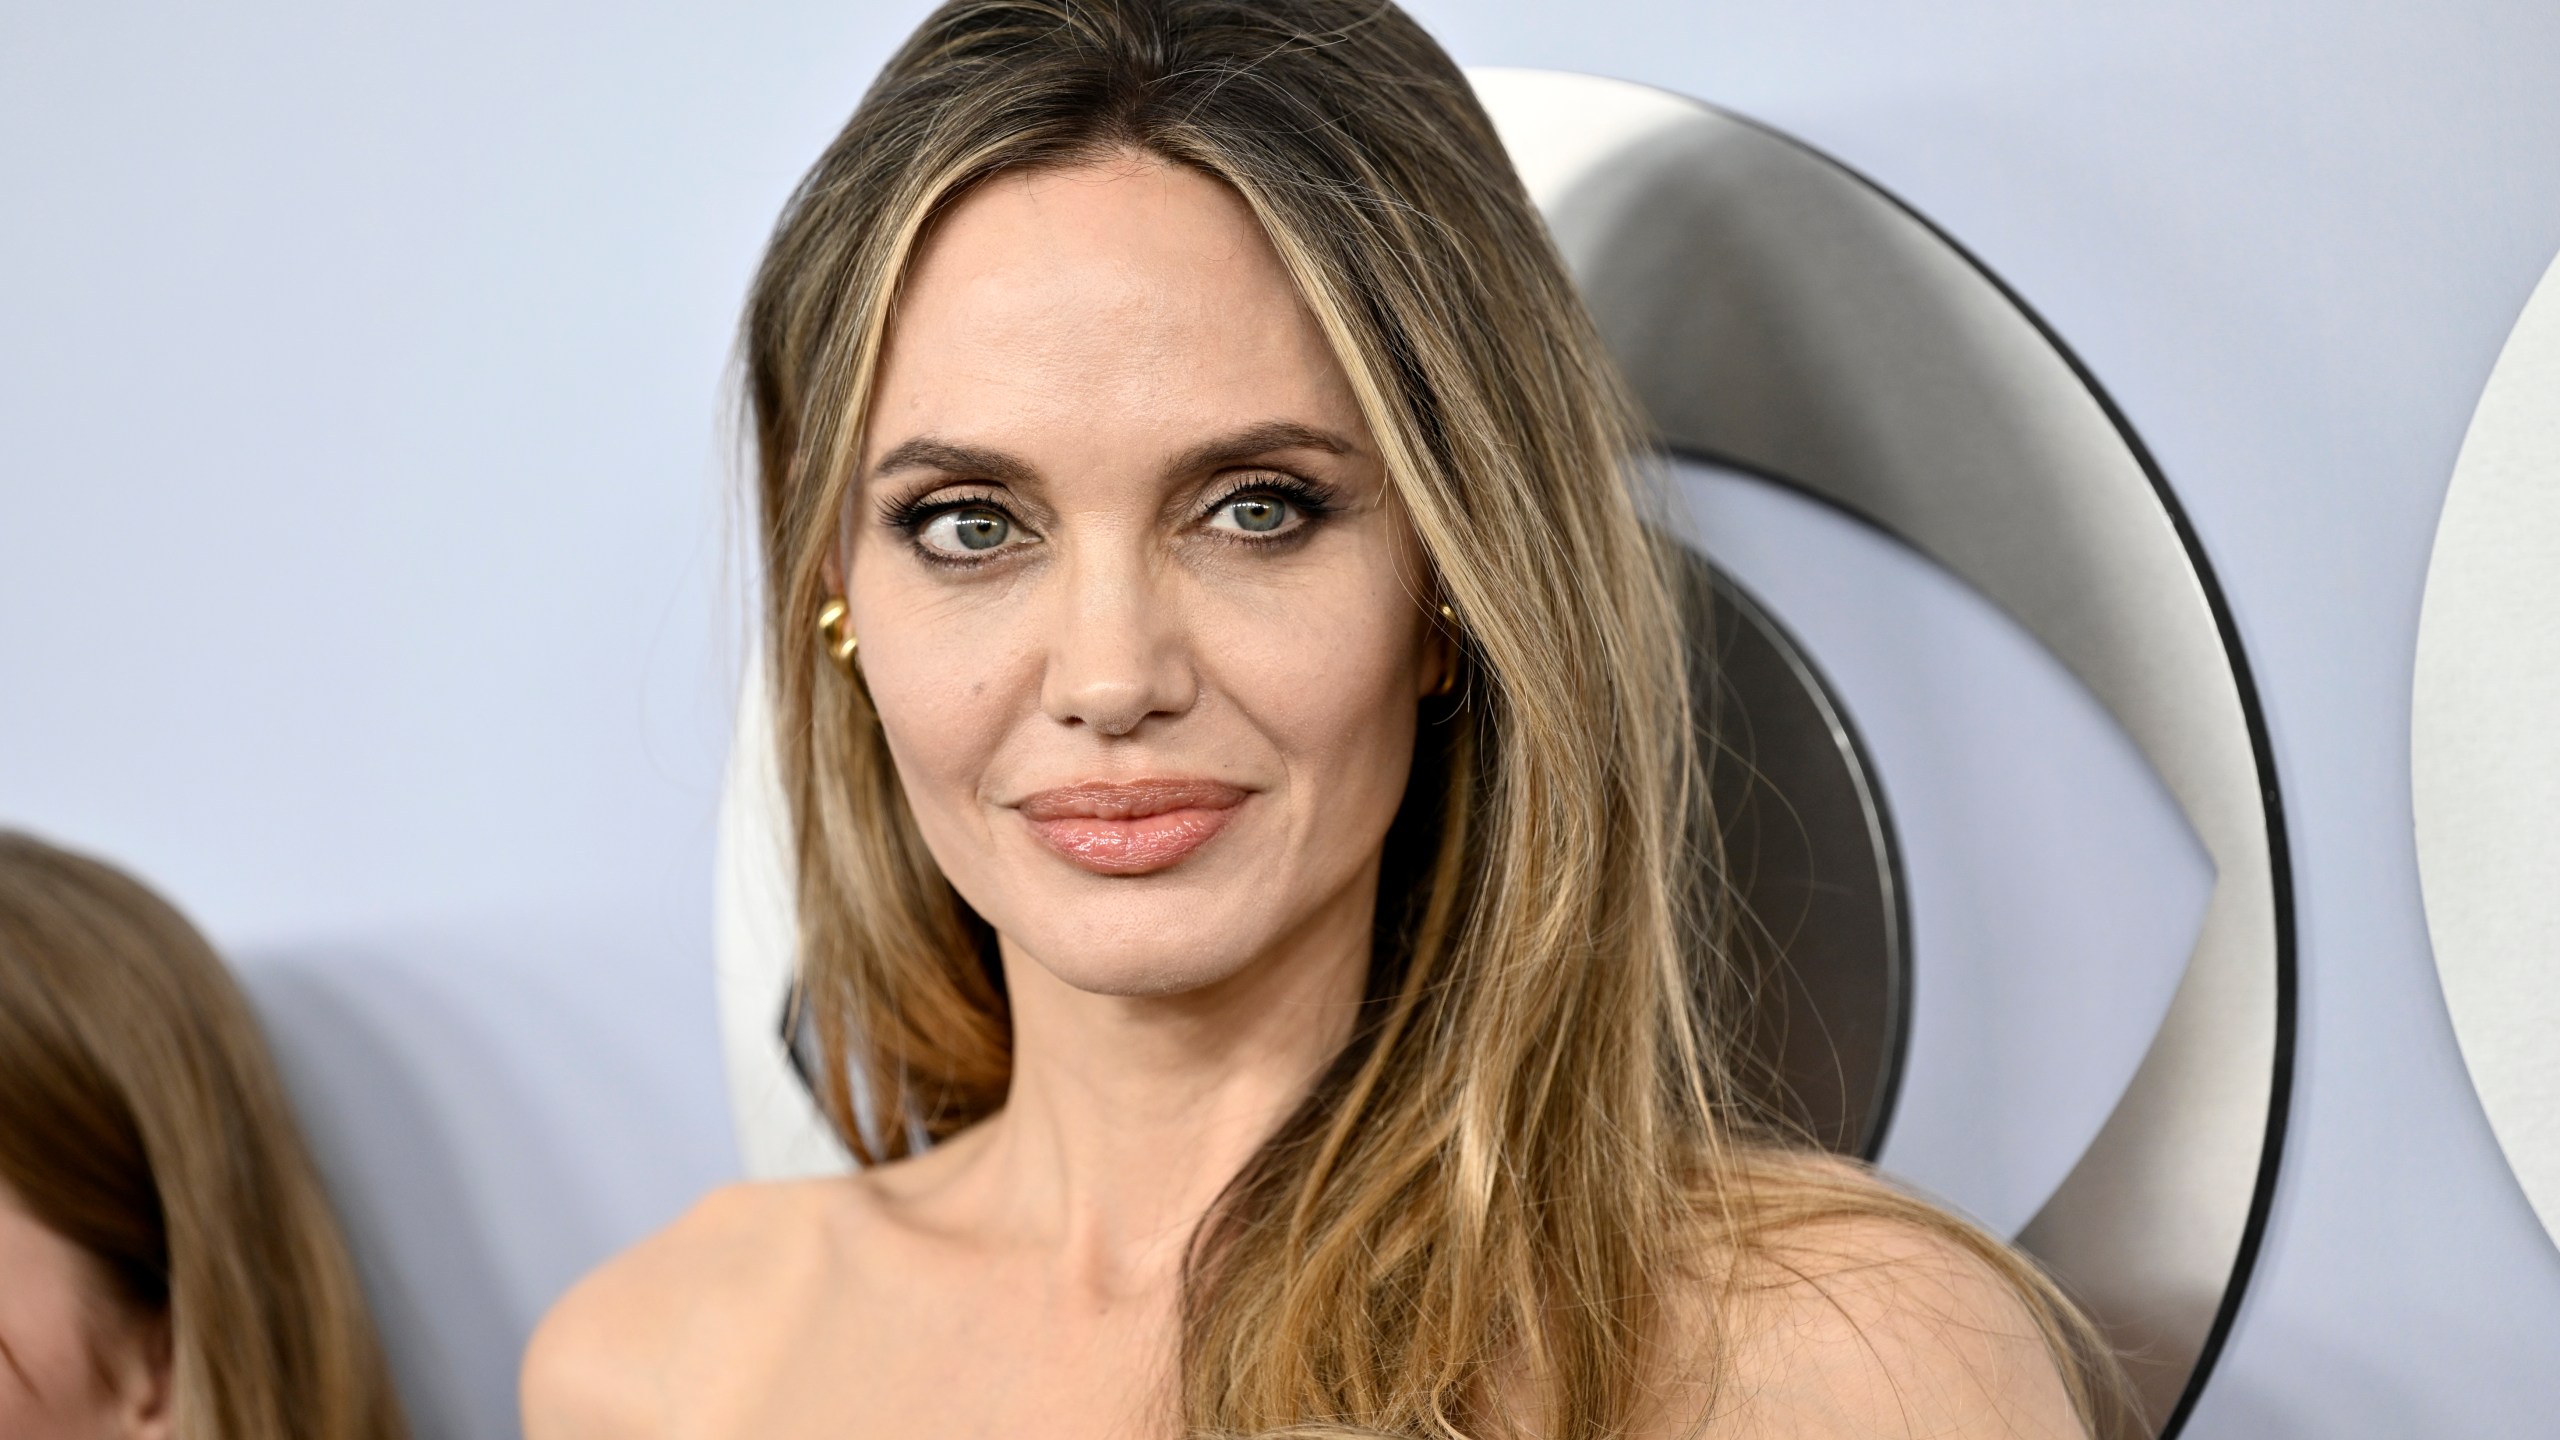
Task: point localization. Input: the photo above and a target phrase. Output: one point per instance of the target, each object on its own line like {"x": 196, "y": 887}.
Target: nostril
{"x": 1112, "y": 678}
{"x": 1110, "y": 708}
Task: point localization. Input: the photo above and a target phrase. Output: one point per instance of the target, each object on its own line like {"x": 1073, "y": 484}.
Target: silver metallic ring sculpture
{"x": 1781, "y": 315}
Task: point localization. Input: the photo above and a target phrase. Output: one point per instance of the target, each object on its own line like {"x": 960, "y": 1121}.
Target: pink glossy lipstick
{"x": 1130, "y": 827}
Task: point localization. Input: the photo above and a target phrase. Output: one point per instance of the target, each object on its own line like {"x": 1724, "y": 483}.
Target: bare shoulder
{"x": 1878, "y": 1325}
{"x": 604, "y": 1361}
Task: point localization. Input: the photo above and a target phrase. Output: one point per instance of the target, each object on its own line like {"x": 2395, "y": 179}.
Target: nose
{"x": 1119, "y": 653}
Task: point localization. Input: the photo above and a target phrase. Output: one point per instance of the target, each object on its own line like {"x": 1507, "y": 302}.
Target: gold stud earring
{"x": 835, "y": 634}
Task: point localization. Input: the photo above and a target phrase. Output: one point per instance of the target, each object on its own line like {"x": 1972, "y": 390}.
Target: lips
{"x": 1130, "y": 827}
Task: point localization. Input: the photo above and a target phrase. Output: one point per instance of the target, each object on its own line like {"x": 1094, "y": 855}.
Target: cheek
{"x": 947, "y": 698}
{"x": 48, "y": 1317}
{"x": 1331, "y": 678}
{"x": 944, "y": 722}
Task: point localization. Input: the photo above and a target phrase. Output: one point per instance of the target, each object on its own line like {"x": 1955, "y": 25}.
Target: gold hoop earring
{"x": 836, "y": 635}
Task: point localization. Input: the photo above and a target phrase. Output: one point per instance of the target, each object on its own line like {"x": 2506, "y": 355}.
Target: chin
{"x": 1152, "y": 942}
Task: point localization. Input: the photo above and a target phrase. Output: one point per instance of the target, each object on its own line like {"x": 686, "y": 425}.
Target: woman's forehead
{"x": 1129, "y": 289}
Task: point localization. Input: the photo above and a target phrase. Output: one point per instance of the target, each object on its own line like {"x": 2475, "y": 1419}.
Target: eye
{"x": 967, "y": 532}
{"x": 1254, "y": 512}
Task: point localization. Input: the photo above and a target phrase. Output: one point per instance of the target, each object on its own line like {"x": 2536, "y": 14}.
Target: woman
{"x": 171, "y": 1266}
{"x": 1236, "y": 732}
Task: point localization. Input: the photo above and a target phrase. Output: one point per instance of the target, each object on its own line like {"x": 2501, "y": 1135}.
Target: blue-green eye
{"x": 1254, "y": 513}
{"x": 962, "y": 533}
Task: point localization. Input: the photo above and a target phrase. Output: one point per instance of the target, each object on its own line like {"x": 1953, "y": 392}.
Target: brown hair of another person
{"x": 142, "y": 1119}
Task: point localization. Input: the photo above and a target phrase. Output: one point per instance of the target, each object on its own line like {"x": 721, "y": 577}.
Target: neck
{"x": 1128, "y": 1115}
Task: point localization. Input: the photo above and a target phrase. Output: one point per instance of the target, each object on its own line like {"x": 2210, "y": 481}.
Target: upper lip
{"x": 1127, "y": 799}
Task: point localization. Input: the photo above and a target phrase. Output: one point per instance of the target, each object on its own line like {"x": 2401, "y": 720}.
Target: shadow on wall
{"x": 396, "y": 1170}
{"x": 487, "y": 1135}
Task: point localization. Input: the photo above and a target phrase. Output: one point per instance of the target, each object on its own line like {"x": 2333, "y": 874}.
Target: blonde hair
{"x": 141, "y": 1119}
{"x": 1538, "y": 1127}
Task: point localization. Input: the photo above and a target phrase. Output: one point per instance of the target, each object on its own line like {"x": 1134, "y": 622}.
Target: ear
{"x": 142, "y": 1362}
{"x": 1439, "y": 654}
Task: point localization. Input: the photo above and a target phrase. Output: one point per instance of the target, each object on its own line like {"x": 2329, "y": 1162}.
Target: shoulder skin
{"x": 613, "y": 1358}
{"x": 1874, "y": 1327}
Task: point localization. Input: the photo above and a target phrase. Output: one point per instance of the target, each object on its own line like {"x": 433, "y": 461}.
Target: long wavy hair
{"x": 1538, "y": 1128}
{"x": 142, "y": 1120}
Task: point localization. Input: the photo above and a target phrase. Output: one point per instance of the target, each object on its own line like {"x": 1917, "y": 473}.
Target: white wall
{"x": 363, "y": 548}
{"x": 365, "y": 564}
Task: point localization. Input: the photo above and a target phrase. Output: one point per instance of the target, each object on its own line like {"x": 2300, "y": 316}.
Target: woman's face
{"x": 1144, "y": 629}
{"x": 75, "y": 1362}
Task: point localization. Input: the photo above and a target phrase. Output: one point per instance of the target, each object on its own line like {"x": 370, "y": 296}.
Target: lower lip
{"x": 1138, "y": 846}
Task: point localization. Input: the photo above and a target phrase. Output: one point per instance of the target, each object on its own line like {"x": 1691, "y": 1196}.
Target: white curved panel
{"x": 2485, "y": 749}
{"x": 781, "y": 1134}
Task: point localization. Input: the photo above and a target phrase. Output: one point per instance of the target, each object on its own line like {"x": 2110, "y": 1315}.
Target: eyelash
{"x": 1314, "y": 504}
{"x": 911, "y": 515}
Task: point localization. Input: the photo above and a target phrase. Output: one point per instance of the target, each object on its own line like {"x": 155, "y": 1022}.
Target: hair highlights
{"x": 1537, "y": 1129}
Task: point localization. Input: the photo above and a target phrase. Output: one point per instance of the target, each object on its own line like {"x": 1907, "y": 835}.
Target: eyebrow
{"x": 1259, "y": 439}
{"x": 928, "y": 453}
